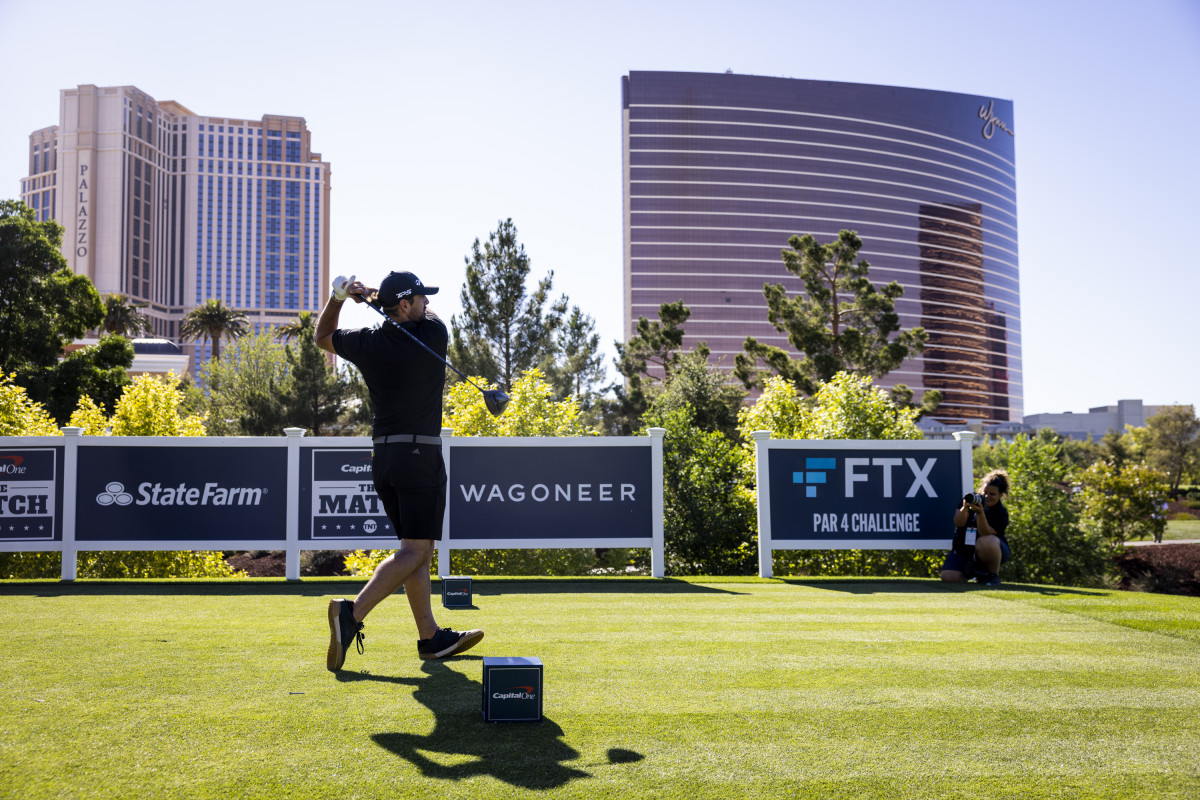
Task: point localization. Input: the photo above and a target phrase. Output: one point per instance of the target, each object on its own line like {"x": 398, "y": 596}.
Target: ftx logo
{"x": 867, "y": 470}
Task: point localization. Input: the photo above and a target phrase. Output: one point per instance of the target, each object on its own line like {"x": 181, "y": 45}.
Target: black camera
{"x": 977, "y": 499}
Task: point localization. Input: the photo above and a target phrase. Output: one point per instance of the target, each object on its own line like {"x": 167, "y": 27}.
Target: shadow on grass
{"x": 918, "y": 586}
{"x": 324, "y": 587}
{"x": 528, "y": 755}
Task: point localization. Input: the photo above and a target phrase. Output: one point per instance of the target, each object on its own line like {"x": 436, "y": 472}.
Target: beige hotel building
{"x": 173, "y": 208}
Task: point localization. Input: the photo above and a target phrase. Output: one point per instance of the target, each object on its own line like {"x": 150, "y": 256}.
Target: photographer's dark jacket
{"x": 997, "y": 517}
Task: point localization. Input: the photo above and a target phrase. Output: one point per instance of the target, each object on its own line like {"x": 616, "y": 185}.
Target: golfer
{"x": 406, "y": 386}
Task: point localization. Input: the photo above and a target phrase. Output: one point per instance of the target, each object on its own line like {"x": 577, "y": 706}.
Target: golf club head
{"x": 496, "y": 401}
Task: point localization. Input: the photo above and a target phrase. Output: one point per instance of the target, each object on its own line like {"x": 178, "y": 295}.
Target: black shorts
{"x": 410, "y": 480}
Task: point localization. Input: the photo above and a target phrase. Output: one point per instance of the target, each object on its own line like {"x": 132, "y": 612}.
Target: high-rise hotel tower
{"x": 720, "y": 170}
{"x": 173, "y": 208}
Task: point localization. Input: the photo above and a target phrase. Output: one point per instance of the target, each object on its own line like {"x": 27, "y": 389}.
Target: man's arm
{"x": 328, "y": 321}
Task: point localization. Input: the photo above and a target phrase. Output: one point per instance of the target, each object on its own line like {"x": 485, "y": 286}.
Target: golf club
{"x": 495, "y": 400}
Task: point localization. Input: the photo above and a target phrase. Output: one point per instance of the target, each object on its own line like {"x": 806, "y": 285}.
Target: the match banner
{"x": 572, "y": 491}
{"x": 185, "y": 494}
{"x": 31, "y": 481}
{"x": 337, "y": 497}
{"x": 828, "y": 495}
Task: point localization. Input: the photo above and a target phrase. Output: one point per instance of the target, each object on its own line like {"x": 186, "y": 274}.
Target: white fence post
{"x": 443, "y": 545}
{"x": 292, "y": 529}
{"x": 658, "y": 566}
{"x": 761, "y": 447}
{"x": 70, "y": 560}
{"x": 967, "y": 440}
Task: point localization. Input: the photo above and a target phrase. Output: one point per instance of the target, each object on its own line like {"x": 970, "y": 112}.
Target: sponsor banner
{"x": 550, "y": 492}
{"x": 337, "y": 496}
{"x": 165, "y": 494}
{"x": 31, "y": 494}
{"x": 890, "y": 497}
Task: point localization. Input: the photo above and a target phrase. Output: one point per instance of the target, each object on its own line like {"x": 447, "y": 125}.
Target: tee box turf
{"x": 456, "y": 593}
{"x": 512, "y": 689}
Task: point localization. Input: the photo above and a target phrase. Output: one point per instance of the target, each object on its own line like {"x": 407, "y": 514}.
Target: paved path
{"x": 1143, "y": 543}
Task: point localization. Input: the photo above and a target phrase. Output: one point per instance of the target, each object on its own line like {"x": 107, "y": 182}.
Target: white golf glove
{"x": 341, "y": 285}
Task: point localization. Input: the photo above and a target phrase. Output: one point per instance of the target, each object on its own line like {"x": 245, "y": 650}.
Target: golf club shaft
{"x": 409, "y": 334}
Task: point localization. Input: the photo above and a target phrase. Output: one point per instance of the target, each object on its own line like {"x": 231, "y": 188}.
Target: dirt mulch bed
{"x": 1162, "y": 568}
{"x": 273, "y": 563}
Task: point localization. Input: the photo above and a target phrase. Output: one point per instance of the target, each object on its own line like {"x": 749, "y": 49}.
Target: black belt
{"x": 407, "y": 438}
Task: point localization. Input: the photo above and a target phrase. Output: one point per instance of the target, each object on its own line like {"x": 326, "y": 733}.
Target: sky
{"x": 442, "y": 119}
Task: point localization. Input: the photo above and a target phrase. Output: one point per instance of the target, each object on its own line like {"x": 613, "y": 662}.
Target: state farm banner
{"x": 31, "y": 485}
{"x": 337, "y": 497}
{"x": 824, "y": 495}
{"x": 181, "y": 494}
{"x": 575, "y": 490}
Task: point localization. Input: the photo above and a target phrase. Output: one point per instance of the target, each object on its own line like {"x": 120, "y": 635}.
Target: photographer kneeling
{"x": 979, "y": 546}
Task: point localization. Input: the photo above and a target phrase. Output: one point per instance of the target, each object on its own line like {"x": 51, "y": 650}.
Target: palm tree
{"x": 214, "y": 320}
{"x": 304, "y": 326}
{"x": 123, "y": 317}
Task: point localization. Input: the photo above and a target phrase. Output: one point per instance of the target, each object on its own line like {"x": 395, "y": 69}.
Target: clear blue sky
{"x": 439, "y": 119}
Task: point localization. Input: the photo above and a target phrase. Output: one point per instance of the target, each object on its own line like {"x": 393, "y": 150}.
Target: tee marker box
{"x": 456, "y": 593}
{"x": 512, "y": 689}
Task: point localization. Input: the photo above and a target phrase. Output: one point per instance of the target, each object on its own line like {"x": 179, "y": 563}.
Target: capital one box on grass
{"x": 853, "y": 494}
{"x": 31, "y": 480}
{"x": 170, "y": 495}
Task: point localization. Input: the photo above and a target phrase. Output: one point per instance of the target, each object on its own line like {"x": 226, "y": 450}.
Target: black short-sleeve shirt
{"x": 997, "y": 517}
{"x": 405, "y": 380}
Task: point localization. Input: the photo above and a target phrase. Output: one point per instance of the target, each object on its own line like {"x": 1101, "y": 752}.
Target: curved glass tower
{"x": 719, "y": 170}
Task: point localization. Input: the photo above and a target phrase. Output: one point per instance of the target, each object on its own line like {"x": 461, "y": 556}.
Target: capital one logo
{"x": 888, "y": 474}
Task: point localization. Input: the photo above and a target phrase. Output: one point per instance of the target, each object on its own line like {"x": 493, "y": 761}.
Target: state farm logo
{"x": 155, "y": 494}
{"x": 515, "y": 693}
{"x": 11, "y": 465}
{"x": 114, "y": 493}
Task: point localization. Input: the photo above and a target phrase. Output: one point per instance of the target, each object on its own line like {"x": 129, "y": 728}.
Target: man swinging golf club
{"x": 406, "y": 384}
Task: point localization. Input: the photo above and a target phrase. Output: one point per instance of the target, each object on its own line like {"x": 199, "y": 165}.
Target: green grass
{"x": 1182, "y": 529}
{"x": 712, "y": 689}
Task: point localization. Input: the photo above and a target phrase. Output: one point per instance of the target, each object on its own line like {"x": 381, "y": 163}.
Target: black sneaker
{"x": 342, "y": 631}
{"x": 446, "y": 643}
{"x": 992, "y": 579}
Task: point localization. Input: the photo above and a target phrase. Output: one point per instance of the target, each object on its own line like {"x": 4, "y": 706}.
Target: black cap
{"x": 399, "y": 285}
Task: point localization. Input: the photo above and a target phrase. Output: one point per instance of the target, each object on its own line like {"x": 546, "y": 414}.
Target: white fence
{"x": 81, "y": 493}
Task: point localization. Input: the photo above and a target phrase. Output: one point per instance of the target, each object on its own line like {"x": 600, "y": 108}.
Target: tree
{"x": 123, "y": 316}
{"x": 645, "y": 359}
{"x": 316, "y": 394}
{"x": 1124, "y": 503}
{"x": 504, "y": 329}
{"x": 21, "y": 416}
{"x": 1174, "y": 435}
{"x": 45, "y": 305}
{"x": 99, "y": 371}
{"x": 532, "y": 411}
{"x": 303, "y": 328}
{"x": 708, "y": 508}
{"x": 1048, "y": 543}
{"x": 213, "y": 320}
{"x": 575, "y": 364}
{"x": 844, "y": 407}
{"x": 247, "y": 389}
{"x": 842, "y": 323}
